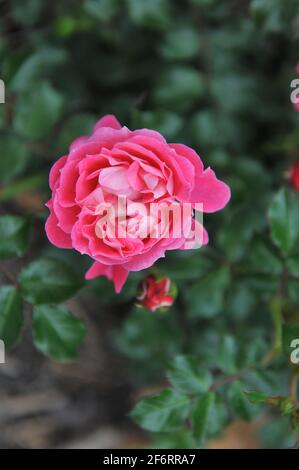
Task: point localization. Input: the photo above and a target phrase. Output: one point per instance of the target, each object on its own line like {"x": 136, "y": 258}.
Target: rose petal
{"x": 116, "y": 274}
{"x": 54, "y": 233}
{"x": 107, "y": 121}
{"x": 55, "y": 172}
{"x": 211, "y": 192}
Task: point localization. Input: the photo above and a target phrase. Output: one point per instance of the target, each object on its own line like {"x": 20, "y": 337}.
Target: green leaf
{"x": 211, "y": 129}
{"x": 185, "y": 265}
{"x": 227, "y": 354}
{"x": 103, "y": 10}
{"x": 241, "y": 300}
{"x": 13, "y": 158}
{"x": 49, "y": 280}
{"x": 178, "y": 88}
{"x": 65, "y": 26}
{"x": 284, "y": 220}
{"x": 166, "y": 122}
{"x": 203, "y": 416}
{"x": 2, "y": 117}
{"x": 162, "y": 412}
{"x": 238, "y": 401}
{"x": 263, "y": 260}
{"x": 57, "y": 332}
{"x": 187, "y": 377}
{"x": 27, "y": 184}
{"x": 275, "y": 433}
{"x": 204, "y": 3}
{"x": 160, "y": 329}
{"x": 274, "y": 16}
{"x": 234, "y": 93}
{"x": 293, "y": 290}
{"x": 78, "y": 124}
{"x": 205, "y": 297}
{"x": 11, "y": 315}
{"x": 256, "y": 397}
{"x": 14, "y": 235}
{"x": 290, "y": 342}
{"x": 36, "y": 66}
{"x": 293, "y": 265}
{"x": 182, "y": 43}
{"x": 153, "y": 14}
{"x": 37, "y": 111}
{"x": 238, "y": 230}
{"x": 33, "y": 10}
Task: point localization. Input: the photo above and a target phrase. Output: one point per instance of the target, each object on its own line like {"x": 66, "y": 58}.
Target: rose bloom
{"x": 294, "y": 175}
{"x": 156, "y": 293}
{"x": 139, "y": 166}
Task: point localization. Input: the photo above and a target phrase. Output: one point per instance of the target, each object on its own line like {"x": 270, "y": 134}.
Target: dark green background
{"x": 214, "y": 75}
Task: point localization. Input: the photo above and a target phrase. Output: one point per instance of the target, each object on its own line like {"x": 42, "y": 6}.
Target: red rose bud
{"x": 156, "y": 293}
{"x": 294, "y": 175}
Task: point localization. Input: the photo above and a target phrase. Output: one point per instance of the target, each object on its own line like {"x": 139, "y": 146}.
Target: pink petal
{"x": 67, "y": 188}
{"x": 67, "y": 216}
{"x": 55, "y": 172}
{"x": 151, "y": 181}
{"x": 133, "y": 176}
{"x": 114, "y": 178}
{"x": 183, "y": 170}
{"x": 199, "y": 237}
{"x": 79, "y": 242}
{"x": 185, "y": 151}
{"x": 116, "y": 274}
{"x": 211, "y": 192}
{"x": 150, "y": 133}
{"x": 108, "y": 121}
{"x": 78, "y": 142}
{"x": 54, "y": 233}
{"x": 147, "y": 259}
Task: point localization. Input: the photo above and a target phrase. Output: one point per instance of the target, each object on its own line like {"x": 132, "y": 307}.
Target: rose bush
{"x": 140, "y": 166}
{"x": 215, "y": 76}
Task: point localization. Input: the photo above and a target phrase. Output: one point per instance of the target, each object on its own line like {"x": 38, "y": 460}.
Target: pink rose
{"x": 141, "y": 167}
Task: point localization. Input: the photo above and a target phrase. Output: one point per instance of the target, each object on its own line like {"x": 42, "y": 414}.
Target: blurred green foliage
{"x": 216, "y": 76}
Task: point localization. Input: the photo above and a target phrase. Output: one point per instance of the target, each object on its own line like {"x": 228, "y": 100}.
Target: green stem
{"x": 276, "y": 313}
{"x": 293, "y": 385}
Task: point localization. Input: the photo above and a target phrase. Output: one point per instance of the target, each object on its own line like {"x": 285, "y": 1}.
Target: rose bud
{"x": 294, "y": 175}
{"x": 156, "y": 293}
